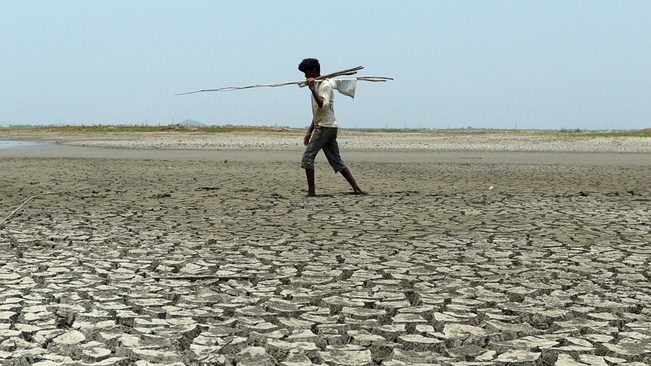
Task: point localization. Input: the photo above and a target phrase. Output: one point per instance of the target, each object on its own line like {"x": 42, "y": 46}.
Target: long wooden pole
{"x": 351, "y": 71}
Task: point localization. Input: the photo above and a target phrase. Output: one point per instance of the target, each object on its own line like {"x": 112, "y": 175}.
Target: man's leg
{"x": 331, "y": 150}
{"x": 309, "y": 174}
{"x": 351, "y": 180}
{"x": 307, "y": 162}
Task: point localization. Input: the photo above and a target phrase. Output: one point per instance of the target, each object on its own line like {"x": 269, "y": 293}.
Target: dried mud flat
{"x": 193, "y": 261}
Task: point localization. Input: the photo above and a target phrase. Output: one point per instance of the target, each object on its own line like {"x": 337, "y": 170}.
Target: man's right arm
{"x": 317, "y": 98}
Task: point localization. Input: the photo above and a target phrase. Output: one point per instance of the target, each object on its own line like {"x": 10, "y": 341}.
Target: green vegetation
{"x": 144, "y": 129}
{"x": 564, "y": 132}
{"x": 177, "y": 128}
{"x": 639, "y": 133}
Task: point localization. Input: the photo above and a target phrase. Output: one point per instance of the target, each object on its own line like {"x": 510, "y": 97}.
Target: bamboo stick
{"x": 302, "y": 83}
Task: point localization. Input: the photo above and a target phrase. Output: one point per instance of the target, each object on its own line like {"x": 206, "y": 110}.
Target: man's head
{"x": 310, "y": 67}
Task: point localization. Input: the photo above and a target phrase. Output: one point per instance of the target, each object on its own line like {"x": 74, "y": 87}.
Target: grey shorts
{"x": 323, "y": 138}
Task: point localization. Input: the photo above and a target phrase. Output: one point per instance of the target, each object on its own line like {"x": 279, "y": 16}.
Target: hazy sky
{"x": 543, "y": 64}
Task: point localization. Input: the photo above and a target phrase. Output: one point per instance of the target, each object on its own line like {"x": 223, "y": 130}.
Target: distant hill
{"x": 191, "y": 122}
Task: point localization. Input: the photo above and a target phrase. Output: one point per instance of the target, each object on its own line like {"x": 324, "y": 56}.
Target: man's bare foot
{"x": 360, "y": 192}
{"x": 310, "y": 195}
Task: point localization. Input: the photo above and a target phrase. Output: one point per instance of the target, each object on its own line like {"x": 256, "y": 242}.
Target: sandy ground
{"x": 195, "y": 256}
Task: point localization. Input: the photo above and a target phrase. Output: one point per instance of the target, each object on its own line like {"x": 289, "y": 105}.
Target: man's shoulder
{"x": 328, "y": 83}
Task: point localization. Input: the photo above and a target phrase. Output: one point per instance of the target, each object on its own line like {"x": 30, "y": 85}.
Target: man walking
{"x": 322, "y": 133}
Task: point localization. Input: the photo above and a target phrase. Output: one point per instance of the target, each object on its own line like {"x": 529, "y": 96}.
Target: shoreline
{"x": 443, "y": 147}
{"x": 291, "y": 140}
{"x": 58, "y": 150}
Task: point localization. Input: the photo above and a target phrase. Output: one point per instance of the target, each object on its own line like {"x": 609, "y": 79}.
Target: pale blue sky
{"x": 487, "y": 64}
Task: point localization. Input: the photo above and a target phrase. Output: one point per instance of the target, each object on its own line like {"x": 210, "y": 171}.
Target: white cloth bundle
{"x": 346, "y": 86}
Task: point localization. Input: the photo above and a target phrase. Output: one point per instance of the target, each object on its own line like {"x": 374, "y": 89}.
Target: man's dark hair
{"x": 309, "y": 64}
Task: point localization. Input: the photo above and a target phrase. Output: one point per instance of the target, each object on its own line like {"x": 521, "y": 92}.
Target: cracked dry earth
{"x": 153, "y": 262}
